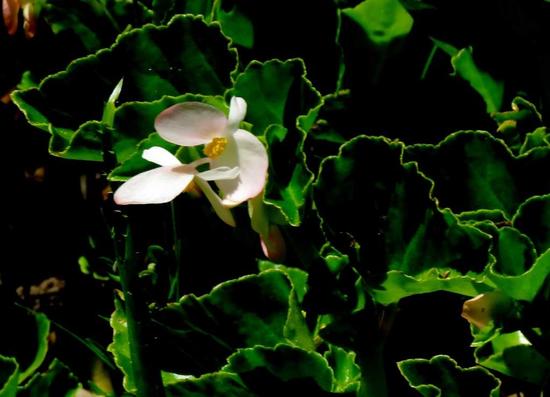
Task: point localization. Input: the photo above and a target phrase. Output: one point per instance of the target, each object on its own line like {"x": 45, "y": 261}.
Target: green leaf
{"x": 218, "y": 384}
{"x": 164, "y": 10}
{"x": 282, "y": 106}
{"x": 347, "y": 374}
{"x": 382, "y": 20}
{"x": 281, "y": 370}
{"x": 538, "y": 138}
{"x": 42, "y": 333}
{"x": 9, "y": 374}
{"x": 95, "y": 23}
{"x": 120, "y": 347}
{"x": 533, "y": 219}
{"x": 524, "y": 286}
{"x": 236, "y": 25}
{"x": 472, "y": 170}
{"x": 491, "y": 90}
{"x": 152, "y": 65}
{"x": 441, "y": 376}
{"x": 56, "y": 381}
{"x": 249, "y": 311}
{"x": 513, "y": 355}
{"x": 369, "y": 199}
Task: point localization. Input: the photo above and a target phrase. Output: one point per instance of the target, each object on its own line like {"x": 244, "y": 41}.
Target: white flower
{"x": 163, "y": 184}
{"x": 227, "y": 146}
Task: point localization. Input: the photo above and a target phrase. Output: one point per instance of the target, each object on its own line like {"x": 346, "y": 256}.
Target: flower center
{"x": 215, "y": 147}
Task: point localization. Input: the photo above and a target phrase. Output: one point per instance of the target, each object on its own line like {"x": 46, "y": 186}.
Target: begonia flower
{"x": 226, "y": 145}
{"x": 487, "y": 308}
{"x": 10, "y": 13}
{"x": 164, "y": 183}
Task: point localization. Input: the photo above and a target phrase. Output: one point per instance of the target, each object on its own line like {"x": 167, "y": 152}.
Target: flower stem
{"x": 146, "y": 374}
{"x": 175, "y": 283}
{"x": 374, "y": 375}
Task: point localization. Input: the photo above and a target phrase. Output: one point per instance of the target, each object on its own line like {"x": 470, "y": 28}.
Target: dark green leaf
{"x": 347, "y": 374}
{"x": 472, "y": 170}
{"x": 152, "y": 65}
{"x": 281, "y": 370}
{"x": 441, "y": 376}
{"x": 56, "y": 381}
{"x": 369, "y": 199}
{"x": 538, "y": 138}
{"x": 252, "y": 310}
{"x": 533, "y": 219}
{"x": 219, "y": 384}
{"x": 513, "y": 355}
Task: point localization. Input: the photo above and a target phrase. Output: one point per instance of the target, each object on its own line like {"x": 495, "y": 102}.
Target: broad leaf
{"x": 441, "y": 376}
{"x": 283, "y": 369}
{"x": 472, "y": 170}
{"x": 249, "y": 311}
{"x": 42, "y": 333}
{"x": 347, "y": 374}
{"x": 218, "y": 384}
{"x": 152, "y": 65}
{"x": 369, "y": 199}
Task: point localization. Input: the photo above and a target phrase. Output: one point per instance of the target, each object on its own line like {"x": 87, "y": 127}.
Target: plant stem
{"x": 175, "y": 284}
{"x": 146, "y": 374}
{"x": 374, "y": 374}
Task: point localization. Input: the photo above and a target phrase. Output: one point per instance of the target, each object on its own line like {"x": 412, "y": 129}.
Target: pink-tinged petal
{"x": 160, "y": 156}
{"x": 10, "y": 11}
{"x": 190, "y": 123}
{"x": 237, "y": 112}
{"x": 223, "y": 213}
{"x": 156, "y": 186}
{"x": 243, "y": 150}
{"x": 273, "y": 244}
{"x": 219, "y": 173}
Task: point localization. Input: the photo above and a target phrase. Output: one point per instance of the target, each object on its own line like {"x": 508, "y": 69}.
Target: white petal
{"x": 237, "y": 111}
{"x": 159, "y": 185}
{"x": 216, "y": 202}
{"x": 243, "y": 150}
{"x": 219, "y": 174}
{"x": 190, "y": 123}
{"x": 160, "y": 156}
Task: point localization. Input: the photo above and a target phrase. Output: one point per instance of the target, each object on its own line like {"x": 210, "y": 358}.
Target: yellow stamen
{"x": 216, "y": 147}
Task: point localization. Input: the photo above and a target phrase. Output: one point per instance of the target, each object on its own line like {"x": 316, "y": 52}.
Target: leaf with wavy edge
{"x": 533, "y": 219}
{"x": 472, "y": 170}
{"x": 120, "y": 347}
{"x": 152, "y": 64}
{"x": 369, "y": 198}
{"x": 282, "y": 107}
{"x": 441, "y": 376}
{"x": 248, "y": 311}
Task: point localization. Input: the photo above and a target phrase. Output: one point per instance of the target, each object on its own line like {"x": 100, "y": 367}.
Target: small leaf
{"x": 347, "y": 374}
{"x": 120, "y": 347}
{"x": 382, "y": 20}
{"x": 9, "y": 374}
{"x": 42, "y": 333}
{"x": 491, "y": 90}
{"x": 56, "y": 380}
{"x": 441, "y": 376}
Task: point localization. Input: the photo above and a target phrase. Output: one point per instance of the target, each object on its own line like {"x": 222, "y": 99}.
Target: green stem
{"x": 175, "y": 284}
{"x": 215, "y": 7}
{"x": 428, "y": 62}
{"x": 374, "y": 374}
{"x": 147, "y": 376}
